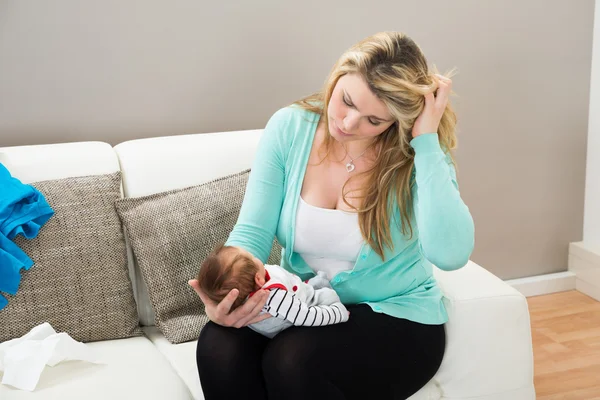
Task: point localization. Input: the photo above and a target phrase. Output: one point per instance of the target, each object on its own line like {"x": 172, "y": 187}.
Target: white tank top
{"x": 328, "y": 240}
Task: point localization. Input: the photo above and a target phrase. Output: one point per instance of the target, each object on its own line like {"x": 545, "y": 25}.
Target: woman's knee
{"x": 220, "y": 348}
{"x": 288, "y": 358}
{"x": 296, "y": 367}
{"x": 229, "y": 362}
{"x": 210, "y": 348}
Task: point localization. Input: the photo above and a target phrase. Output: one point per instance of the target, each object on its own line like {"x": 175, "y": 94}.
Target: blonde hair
{"x": 396, "y": 71}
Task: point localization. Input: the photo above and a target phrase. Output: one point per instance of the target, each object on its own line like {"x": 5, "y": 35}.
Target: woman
{"x": 356, "y": 181}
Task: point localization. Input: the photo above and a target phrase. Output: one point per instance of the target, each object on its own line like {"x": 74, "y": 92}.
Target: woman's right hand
{"x": 246, "y": 314}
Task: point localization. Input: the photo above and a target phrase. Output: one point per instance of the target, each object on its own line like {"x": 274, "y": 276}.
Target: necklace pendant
{"x": 350, "y": 167}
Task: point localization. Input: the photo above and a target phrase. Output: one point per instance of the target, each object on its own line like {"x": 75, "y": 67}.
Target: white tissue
{"x": 23, "y": 359}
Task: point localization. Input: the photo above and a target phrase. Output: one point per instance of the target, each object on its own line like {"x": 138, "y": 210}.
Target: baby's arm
{"x": 317, "y": 291}
{"x": 286, "y": 305}
{"x": 319, "y": 281}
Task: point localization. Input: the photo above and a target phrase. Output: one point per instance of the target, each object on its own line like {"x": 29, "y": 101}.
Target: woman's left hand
{"x": 429, "y": 120}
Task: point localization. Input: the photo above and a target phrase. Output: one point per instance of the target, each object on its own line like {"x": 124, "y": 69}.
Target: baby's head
{"x": 229, "y": 267}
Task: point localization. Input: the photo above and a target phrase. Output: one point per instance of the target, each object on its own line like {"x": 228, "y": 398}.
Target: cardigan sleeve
{"x": 259, "y": 215}
{"x": 445, "y": 225}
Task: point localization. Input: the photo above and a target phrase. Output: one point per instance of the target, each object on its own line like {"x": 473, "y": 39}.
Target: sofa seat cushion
{"x": 488, "y": 337}
{"x": 182, "y": 358}
{"x": 133, "y": 369}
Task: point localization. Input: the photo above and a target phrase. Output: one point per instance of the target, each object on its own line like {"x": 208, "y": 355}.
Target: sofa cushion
{"x": 131, "y": 369}
{"x": 182, "y": 358}
{"x": 79, "y": 282}
{"x": 488, "y": 320}
{"x": 170, "y": 234}
{"x": 155, "y": 165}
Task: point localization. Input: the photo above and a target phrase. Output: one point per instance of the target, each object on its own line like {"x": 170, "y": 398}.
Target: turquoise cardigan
{"x": 403, "y": 285}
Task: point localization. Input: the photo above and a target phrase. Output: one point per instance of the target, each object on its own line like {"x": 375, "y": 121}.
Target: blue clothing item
{"x": 401, "y": 284}
{"x": 23, "y": 210}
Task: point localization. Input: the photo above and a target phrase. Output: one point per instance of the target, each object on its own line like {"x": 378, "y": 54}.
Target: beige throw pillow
{"x": 170, "y": 234}
{"x": 79, "y": 282}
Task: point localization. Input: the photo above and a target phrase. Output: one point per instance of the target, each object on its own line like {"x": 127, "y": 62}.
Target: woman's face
{"x": 355, "y": 113}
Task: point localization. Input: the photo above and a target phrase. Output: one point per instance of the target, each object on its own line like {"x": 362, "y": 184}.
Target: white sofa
{"x": 489, "y": 350}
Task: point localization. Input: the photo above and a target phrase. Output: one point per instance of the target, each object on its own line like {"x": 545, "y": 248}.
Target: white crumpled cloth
{"x": 23, "y": 359}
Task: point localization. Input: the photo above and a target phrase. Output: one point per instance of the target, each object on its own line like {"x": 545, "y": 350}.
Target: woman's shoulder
{"x": 288, "y": 125}
{"x": 293, "y": 115}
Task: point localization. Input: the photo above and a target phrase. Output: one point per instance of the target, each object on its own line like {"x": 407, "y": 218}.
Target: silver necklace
{"x": 350, "y": 165}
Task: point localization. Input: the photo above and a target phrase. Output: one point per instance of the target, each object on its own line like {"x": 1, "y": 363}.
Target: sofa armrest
{"x": 489, "y": 350}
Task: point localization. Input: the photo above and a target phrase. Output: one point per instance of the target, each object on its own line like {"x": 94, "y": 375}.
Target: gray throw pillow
{"x": 79, "y": 282}
{"x": 171, "y": 233}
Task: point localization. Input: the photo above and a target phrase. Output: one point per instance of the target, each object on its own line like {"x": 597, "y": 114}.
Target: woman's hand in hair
{"x": 429, "y": 119}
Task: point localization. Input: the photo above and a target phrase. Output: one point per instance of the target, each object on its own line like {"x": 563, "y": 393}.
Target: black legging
{"x": 372, "y": 356}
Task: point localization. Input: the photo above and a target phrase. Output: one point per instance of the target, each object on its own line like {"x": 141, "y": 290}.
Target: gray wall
{"x": 115, "y": 70}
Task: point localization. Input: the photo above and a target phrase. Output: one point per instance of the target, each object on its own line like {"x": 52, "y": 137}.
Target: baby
{"x": 291, "y": 301}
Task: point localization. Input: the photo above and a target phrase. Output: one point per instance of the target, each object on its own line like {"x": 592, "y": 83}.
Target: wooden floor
{"x": 566, "y": 346}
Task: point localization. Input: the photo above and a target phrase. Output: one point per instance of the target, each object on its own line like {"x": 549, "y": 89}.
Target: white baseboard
{"x": 584, "y": 262}
{"x": 583, "y": 275}
{"x": 586, "y": 288}
{"x": 544, "y": 284}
